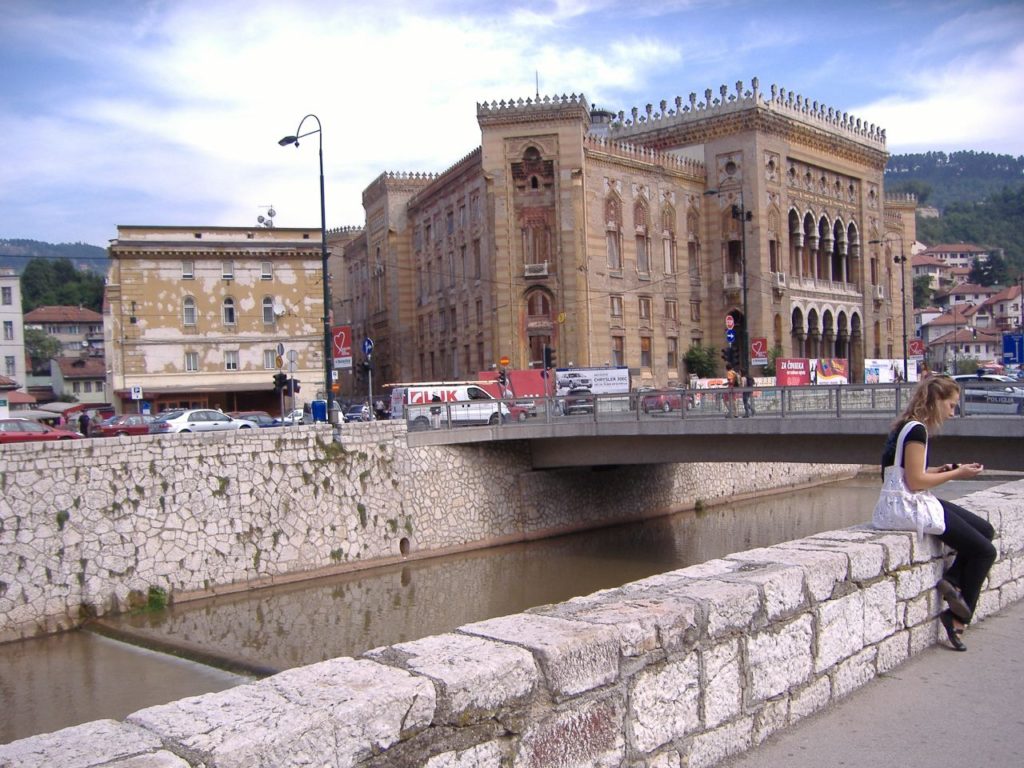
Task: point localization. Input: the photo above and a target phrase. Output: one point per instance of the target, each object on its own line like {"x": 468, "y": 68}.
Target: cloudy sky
{"x": 169, "y": 111}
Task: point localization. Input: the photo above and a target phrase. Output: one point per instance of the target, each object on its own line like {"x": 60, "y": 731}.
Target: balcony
{"x": 779, "y": 281}
{"x": 732, "y": 281}
{"x": 535, "y": 270}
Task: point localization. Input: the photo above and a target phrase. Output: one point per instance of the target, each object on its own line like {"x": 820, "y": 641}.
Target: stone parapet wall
{"x": 680, "y": 669}
{"x": 91, "y": 527}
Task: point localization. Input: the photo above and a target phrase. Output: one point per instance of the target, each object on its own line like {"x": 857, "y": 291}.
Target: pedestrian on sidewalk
{"x": 732, "y": 381}
{"x": 748, "y": 402}
{"x": 934, "y": 400}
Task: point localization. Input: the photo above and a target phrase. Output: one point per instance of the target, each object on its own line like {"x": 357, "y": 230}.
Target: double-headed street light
{"x": 902, "y": 261}
{"x": 328, "y": 379}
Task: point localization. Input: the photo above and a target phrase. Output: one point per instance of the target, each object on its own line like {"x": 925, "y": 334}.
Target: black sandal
{"x": 952, "y": 633}
{"x": 954, "y": 599}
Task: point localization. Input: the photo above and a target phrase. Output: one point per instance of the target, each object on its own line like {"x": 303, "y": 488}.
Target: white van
{"x": 431, "y": 405}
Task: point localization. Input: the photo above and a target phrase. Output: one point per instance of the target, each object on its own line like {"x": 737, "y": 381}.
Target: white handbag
{"x": 901, "y": 509}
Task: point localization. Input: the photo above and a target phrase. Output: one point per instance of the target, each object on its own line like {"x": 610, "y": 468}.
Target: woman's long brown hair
{"x": 924, "y": 402}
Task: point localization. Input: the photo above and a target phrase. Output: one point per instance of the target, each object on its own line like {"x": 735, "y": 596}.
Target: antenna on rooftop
{"x": 536, "y": 75}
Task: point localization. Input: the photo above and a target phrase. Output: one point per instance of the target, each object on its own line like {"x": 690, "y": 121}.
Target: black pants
{"x": 971, "y": 537}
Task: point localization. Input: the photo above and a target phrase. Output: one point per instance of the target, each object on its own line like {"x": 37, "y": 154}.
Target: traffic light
{"x": 502, "y": 377}
{"x": 295, "y": 386}
{"x": 549, "y": 357}
{"x": 729, "y": 355}
{"x": 280, "y": 381}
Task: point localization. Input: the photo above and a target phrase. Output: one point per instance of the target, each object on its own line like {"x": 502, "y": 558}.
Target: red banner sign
{"x": 341, "y": 346}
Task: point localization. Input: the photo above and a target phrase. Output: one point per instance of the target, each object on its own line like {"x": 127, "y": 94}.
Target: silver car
{"x": 991, "y": 393}
{"x": 196, "y": 420}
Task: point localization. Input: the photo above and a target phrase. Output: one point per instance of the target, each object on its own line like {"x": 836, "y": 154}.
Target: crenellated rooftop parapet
{"x": 407, "y": 181}
{"x": 644, "y": 154}
{"x": 726, "y": 103}
{"x": 518, "y": 110}
{"x": 352, "y": 229}
{"x": 900, "y": 197}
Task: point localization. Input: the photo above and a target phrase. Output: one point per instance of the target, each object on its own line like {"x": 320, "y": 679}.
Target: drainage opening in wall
{"x": 403, "y": 546}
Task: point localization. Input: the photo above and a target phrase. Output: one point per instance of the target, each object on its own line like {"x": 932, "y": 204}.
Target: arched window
{"x": 228, "y": 311}
{"x": 268, "y": 310}
{"x": 613, "y": 236}
{"x": 188, "y": 311}
{"x": 668, "y": 235}
{"x": 538, "y": 305}
{"x": 693, "y": 245}
{"x": 643, "y": 250}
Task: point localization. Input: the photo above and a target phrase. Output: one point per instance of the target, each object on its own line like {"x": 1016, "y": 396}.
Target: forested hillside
{"x": 16, "y": 254}
{"x": 939, "y": 179}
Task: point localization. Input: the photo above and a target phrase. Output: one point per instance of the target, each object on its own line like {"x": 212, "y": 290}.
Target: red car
{"x": 26, "y": 430}
{"x": 666, "y": 401}
{"x": 125, "y": 424}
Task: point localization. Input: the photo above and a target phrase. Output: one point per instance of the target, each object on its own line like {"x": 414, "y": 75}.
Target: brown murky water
{"x": 54, "y": 682}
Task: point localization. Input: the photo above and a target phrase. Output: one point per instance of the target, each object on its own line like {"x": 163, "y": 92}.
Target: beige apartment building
{"x": 194, "y": 316}
{"x": 623, "y": 239}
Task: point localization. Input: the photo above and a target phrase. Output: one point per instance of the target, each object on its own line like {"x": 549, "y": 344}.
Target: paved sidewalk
{"x": 940, "y": 708}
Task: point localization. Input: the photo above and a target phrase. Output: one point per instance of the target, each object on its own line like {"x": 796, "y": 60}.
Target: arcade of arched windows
{"x": 823, "y": 253}
{"x": 818, "y": 331}
{"x": 645, "y": 234}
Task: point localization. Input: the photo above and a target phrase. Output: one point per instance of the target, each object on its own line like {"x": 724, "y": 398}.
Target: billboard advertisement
{"x": 341, "y": 346}
{"x": 885, "y": 371}
{"x": 801, "y": 371}
{"x": 600, "y": 381}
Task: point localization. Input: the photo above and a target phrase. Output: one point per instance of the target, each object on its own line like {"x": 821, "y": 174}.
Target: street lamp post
{"x": 741, "y": 213}
{"x": 902, "y": 261}
{"x": 323, "y": 252}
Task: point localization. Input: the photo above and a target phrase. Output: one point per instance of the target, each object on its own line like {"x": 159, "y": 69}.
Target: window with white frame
{"x": 671, "y": 309}
{"x": 230, "y": 360}
{"x": 228, "y": 311}
{"x": 7, "y": 296}
{"x": 188, "y": 311}
{"x": 8, "y": 330}
{"x": 227, "y": 270}
{"x": 191, "y": 362}
{"x": 188, "y": 270}
{"x": 268, "y": 310}
{"x": 88, "y": 386}
{"x": 615, "y": 306}
{"x": 269, "y": 359}
{"x": 644, "y": 304}
{"x": 9, "y": 363}
{"x": 267, "y": 270}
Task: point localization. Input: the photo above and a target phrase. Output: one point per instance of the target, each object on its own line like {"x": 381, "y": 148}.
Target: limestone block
{"x": 911, "y": 582}
{"x": 668, "y": 759}
{"x": 726, "y": 607}
{"x": 811, "y": 699}
{"x": 1009, "y": 594}
{"x": 665, "y": 702}
{"x": 573, "y": 656}
{"x": 643, "y": 624}
{"x": 587, "y": 736}
{"x": 924, "y": 636}
{"x": 1000, "y": 573}
{"x": 487, "y": 755}
{"x": 711, "y": 747}
{"x": 840, "y": 630}
{"x": 722, "y": 683}
{"x": 822, "y": 570}
{"x": 918, "y": 610}
{"x": 892, "y": 652}
{"x": 851, "y": 674}
{"x": 779, "y": 659}
{"x": 475, "y": 678}
{"x": 161, "y": 759}
{"x": 772, "y": 717}
{"x": 880, "y": 613}
{"x": 866, "y": 560}
{"x": 923, "y": 550}
{"x": 81, "y": 746}
{"x": 348, "y": 708}
{"x": 782, "y": 587}
{"x": 988, "y": 604}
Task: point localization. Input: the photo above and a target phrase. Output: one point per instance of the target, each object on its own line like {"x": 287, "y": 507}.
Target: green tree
{"x": 57, "y": 282}
{"x": 773, "y": 354}
{"x": 700, "y": 361}
{"x": 41, "y": 347}
{"x": 923, "y": 292}
{"x": 991, "y": 271}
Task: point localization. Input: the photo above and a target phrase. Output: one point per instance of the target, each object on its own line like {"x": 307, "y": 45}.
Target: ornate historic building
{"x": 624, "y": 239}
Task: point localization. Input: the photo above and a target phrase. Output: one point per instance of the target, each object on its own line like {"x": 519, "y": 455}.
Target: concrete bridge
{"x": 849, "y": 438}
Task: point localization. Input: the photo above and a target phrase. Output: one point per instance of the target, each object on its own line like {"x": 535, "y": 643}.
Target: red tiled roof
{"x": 82, "y": 368}
{"x": 6, "y": 382}
{"x": 63, "y": 315}
{"x": 19, "y": 398}
{"x": 924, "y": 260}
{"x": 956, "y": 248}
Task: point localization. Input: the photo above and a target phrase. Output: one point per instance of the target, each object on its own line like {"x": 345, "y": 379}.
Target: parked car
{"x": 196, "y": 420}
{"x": 579, "y": 400}
{"x": 298, "y": 416}
{"x": 664, "y": 400}
{"x": 358, "y": 413}
{"x": 125, "y": 424}
{"x": 259, "y": 418}
{"x": 991, "y": 393}
{"x": 26, "y": 431}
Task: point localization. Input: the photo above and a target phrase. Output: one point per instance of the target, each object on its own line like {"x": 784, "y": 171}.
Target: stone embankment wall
{"x": 681, "y": 669}
{"x": 90, "y": 527}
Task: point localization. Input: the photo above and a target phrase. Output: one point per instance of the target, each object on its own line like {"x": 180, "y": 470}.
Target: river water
{"x": 53, "y": 682}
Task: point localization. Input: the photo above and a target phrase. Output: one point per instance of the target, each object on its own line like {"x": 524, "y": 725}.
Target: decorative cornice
{"x": 550, "y": 108}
